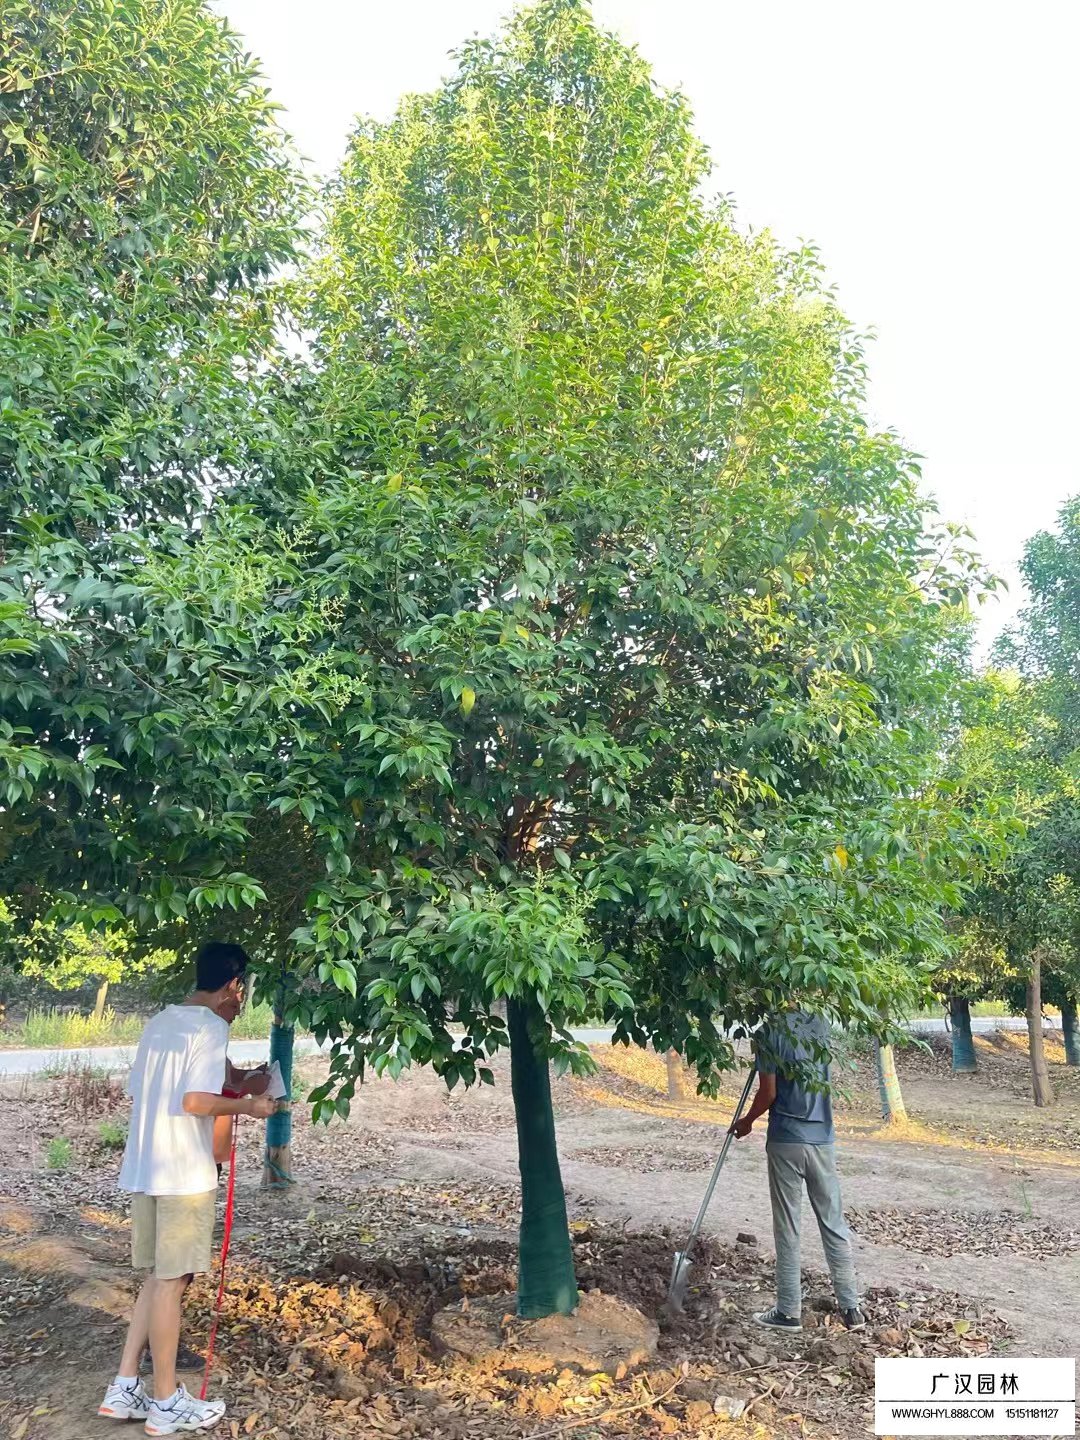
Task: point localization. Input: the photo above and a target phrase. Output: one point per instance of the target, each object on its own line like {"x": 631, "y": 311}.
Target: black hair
{"x": 217, "y": 963}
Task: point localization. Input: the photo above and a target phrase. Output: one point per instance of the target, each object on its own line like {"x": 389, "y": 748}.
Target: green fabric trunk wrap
{"x": 1071, "y": 1033}
{"x": 963, "y": 1046}
{"x": 279, "y": 1125}
{"x": 546, "y": 1282}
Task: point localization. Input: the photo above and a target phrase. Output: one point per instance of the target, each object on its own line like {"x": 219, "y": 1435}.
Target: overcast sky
{"x": 927, "y": 147}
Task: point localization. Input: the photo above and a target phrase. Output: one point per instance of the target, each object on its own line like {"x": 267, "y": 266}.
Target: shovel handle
{"x": 700, "y": 1220}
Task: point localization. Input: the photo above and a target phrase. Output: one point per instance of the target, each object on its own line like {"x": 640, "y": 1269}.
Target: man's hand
{"x": 260, "y": 1107}
{"x": 761, "y": 1104}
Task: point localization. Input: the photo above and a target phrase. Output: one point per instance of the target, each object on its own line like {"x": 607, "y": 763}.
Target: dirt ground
{"x": 966, "y": 1227}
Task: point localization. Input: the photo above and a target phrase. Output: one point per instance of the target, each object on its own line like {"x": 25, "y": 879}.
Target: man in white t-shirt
{"x": 175, "y": 1086}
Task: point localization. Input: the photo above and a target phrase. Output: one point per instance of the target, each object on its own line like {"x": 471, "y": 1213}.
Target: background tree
{"x": 1046, "y": 646}
{"x": 976, "y": 969}
{"x": 893, "y": 1109}
{"x": 1022, "y": 911}
{"x": 1061, "y": 987}
{"x": 70, "y": 957}
{"x": 146, "y": 196}
{"x": 673, "y": 1065}
{"x": 282, "y": 860}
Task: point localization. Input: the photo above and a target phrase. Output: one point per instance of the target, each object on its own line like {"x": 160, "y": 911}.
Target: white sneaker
{"x": 183, "y": 1412}
{"x": 125, "y": 1402}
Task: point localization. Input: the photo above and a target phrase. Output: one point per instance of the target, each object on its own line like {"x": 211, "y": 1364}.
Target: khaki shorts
{"x": 173, "y": 1235}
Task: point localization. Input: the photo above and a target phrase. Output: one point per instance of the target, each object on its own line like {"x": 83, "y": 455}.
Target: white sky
{"x": 928, "y": 147}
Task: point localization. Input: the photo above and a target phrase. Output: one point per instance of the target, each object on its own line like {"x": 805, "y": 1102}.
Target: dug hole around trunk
{"x": 603, "y": 1335}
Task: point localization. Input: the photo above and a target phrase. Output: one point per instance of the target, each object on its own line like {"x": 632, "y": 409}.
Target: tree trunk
{"x": 277, "y": 1168}
{"x": 99, "y": 1001}
{"x": 546, "y": 1282}
{"x": 1070, "y": 1031}
{"x": 963, "y": 1046}
{"x": 1041, "y": 1088}
{"x": 675, "y": 1087}
{"x": 893, "y": 1109}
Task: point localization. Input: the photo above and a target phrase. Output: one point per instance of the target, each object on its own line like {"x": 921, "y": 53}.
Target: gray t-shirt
{"x": 800, "y": 1116}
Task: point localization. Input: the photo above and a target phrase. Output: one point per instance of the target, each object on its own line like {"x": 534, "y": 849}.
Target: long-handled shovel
{"x": 680, "y": 1269}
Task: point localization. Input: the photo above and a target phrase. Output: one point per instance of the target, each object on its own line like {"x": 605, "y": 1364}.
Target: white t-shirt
{"x": 169, "y": 1152}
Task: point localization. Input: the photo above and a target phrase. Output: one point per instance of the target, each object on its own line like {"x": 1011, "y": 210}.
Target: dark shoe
{"x": 776, "y": 1320}
{"x": 853, "y": 1319}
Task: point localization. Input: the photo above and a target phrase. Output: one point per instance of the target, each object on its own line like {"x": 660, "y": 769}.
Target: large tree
{"x": 593, "y": 636}
{"x": 596, "y": 630}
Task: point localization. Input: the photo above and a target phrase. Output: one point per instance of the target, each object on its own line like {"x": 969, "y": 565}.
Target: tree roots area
{"x": 376, "y": 1297}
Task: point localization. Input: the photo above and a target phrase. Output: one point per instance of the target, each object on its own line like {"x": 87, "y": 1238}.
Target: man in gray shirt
{"x": 793, "y": 1087}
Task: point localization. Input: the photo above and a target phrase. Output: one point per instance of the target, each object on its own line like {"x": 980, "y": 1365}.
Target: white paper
{"x": 276, "y": 1088}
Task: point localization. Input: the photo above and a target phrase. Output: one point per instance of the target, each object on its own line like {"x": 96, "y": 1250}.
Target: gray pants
{"x": 790, "y": 1168}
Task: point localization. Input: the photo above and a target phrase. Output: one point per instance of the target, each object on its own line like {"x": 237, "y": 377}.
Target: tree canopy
{"x": 586, "y": 624}
{"x": 147, "y": 196}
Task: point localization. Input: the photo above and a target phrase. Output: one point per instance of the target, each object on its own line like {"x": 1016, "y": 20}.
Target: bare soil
{"x": 965, "y": 1221}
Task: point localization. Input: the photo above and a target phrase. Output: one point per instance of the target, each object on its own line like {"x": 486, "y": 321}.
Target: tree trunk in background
{"x": 1070, "y": 1031}
{"x": 99, "y": 1001}
{"x": 546, "y": 1281}
{"x": 675, "y": 1088}
{"x": 893, "y": 1109}
{"x": 277, "y": 1169}
{"x": 963, "y": 1046}
{"x": 1041, "y": 1088}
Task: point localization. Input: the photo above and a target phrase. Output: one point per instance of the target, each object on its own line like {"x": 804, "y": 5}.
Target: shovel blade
{"x": 680, "y": 1279}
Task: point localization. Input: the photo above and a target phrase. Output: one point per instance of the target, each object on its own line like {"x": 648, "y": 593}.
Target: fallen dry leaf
{"x": 964, "y": 1232}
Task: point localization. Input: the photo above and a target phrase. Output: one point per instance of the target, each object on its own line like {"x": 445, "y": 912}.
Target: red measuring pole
{"x": 226, "y": 1235}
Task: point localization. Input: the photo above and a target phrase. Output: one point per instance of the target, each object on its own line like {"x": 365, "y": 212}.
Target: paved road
{"x": 243, "y": 1052}
{"x": 118, "y": 1057}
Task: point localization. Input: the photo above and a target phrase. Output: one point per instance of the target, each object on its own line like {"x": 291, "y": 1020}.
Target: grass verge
{"x": 58, "y": 1029}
